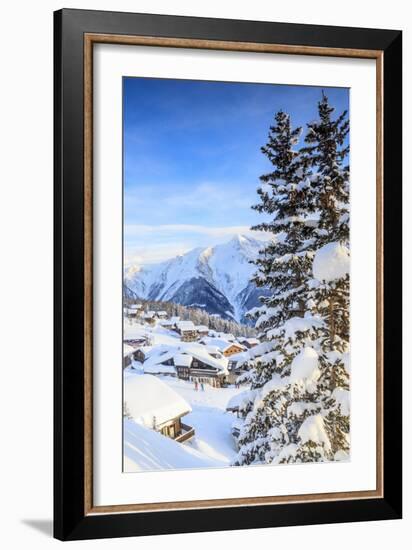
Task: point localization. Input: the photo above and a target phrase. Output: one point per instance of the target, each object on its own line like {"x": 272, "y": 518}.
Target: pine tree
{"x": 286, "y": 195}
{"x": 299, "y": 409}
{"x": 270, "y": 420}
{"x": 327, "y": 151}
{"x": 284, "y": 263}
{"x": 284, "y": 266}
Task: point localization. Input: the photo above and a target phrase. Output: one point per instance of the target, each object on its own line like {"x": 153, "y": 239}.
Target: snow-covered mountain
{"x": 216, "y": 278}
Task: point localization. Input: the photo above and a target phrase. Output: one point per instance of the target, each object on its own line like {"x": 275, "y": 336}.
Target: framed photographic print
{"x": 227, "y": 274}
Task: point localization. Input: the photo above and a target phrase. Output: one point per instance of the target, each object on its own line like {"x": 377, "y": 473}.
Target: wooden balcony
{"x": 187, "y": 433}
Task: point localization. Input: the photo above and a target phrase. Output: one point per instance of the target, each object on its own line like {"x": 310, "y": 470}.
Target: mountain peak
{"x": 239, "y": 238}
{"x": 216, "y": 276}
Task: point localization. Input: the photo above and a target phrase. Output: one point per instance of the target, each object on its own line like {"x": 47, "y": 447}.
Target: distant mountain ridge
{"x": 216, "y": 279}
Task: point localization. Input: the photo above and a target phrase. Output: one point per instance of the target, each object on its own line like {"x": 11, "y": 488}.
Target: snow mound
{"x": 147, "y": 450}
{"x": 241, "y": 400}
{"x": 151, "y": 402}
{"x": 305, "y": 368}
{"x": 331, "y": 262}
{"x": 313, "y": 429}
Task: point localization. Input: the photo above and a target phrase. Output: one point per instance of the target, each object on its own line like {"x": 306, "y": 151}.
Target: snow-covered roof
{"x": 252, "y": 341}
{"x": 158, "y": 355}
{"x": 149, "y": 315}
{"x": 200, "y": 352}
{"x": 182, "y": 360}
{"x": 151, "y": 402}
{"x": 136, "y": 306}
{"x": 202, "y": 328}
{"x": 159, "y": 369}
{"x": 219, "y": 343}
{"x": 146, "y": 350}
{"x": 226, "y": 336}
{"x": 162, "y": 312}
{"x": 236, "y": 345}
{"x": 214, "y": 349}
{"x": 127, "y": 350}
{"x": 185, "y": 325}
{"x": 212, "y": 342}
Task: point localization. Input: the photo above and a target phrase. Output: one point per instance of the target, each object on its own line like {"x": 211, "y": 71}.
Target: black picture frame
{"x": 70, "y": 520}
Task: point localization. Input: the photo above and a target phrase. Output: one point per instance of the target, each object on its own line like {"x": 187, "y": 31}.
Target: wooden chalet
{"x": 250, "y": 342}
{"x": 174, "y": 320}
{"x": 187, "y": 331}
{"x": 202, "y": 330}
{"x": 142, "y": 353}
{"x": 232, "y": 349}
{"x": 128, "y": 352}
{"x": 154, "y": 404}
{"x": 137, "y": 342}
{"x": 197, "y": 365}
{"x": 236, "y": 367}
{"x": 182, "y": 363}
{"x": 149, "y": 318}
{"x": 201, "y": 371}
{"x": 225, "y": 346}
{"x": 161, "y": 314}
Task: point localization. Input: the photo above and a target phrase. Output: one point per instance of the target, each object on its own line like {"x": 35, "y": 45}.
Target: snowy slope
{"x": 146, "y": 450}
{"x": 216, "y": 278}
{"x": 212, "y": 447}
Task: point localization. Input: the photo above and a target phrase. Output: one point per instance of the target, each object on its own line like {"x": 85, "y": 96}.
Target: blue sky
{"x": 192, "y": 158}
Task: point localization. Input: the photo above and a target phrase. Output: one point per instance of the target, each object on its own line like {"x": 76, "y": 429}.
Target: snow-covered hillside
{"x": 216, "y": 279}
{"x": 213, "y": 445}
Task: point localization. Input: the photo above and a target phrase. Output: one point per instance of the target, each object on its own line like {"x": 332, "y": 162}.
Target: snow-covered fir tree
{"x": 286, "y": 194}
{"x": 285, "y": 262}
{"x": 327, "y": 152}
{"x": 298, "y": 410}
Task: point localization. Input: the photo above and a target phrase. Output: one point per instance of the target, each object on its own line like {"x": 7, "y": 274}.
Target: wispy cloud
{"x": 141, "y": 230}
{"x": 212, "y": 196}
{"x": 148, "y": 244}
{"x": 140, "y": 256}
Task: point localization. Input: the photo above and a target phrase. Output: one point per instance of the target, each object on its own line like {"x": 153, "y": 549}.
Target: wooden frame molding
{"x": 94, "y": 38}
